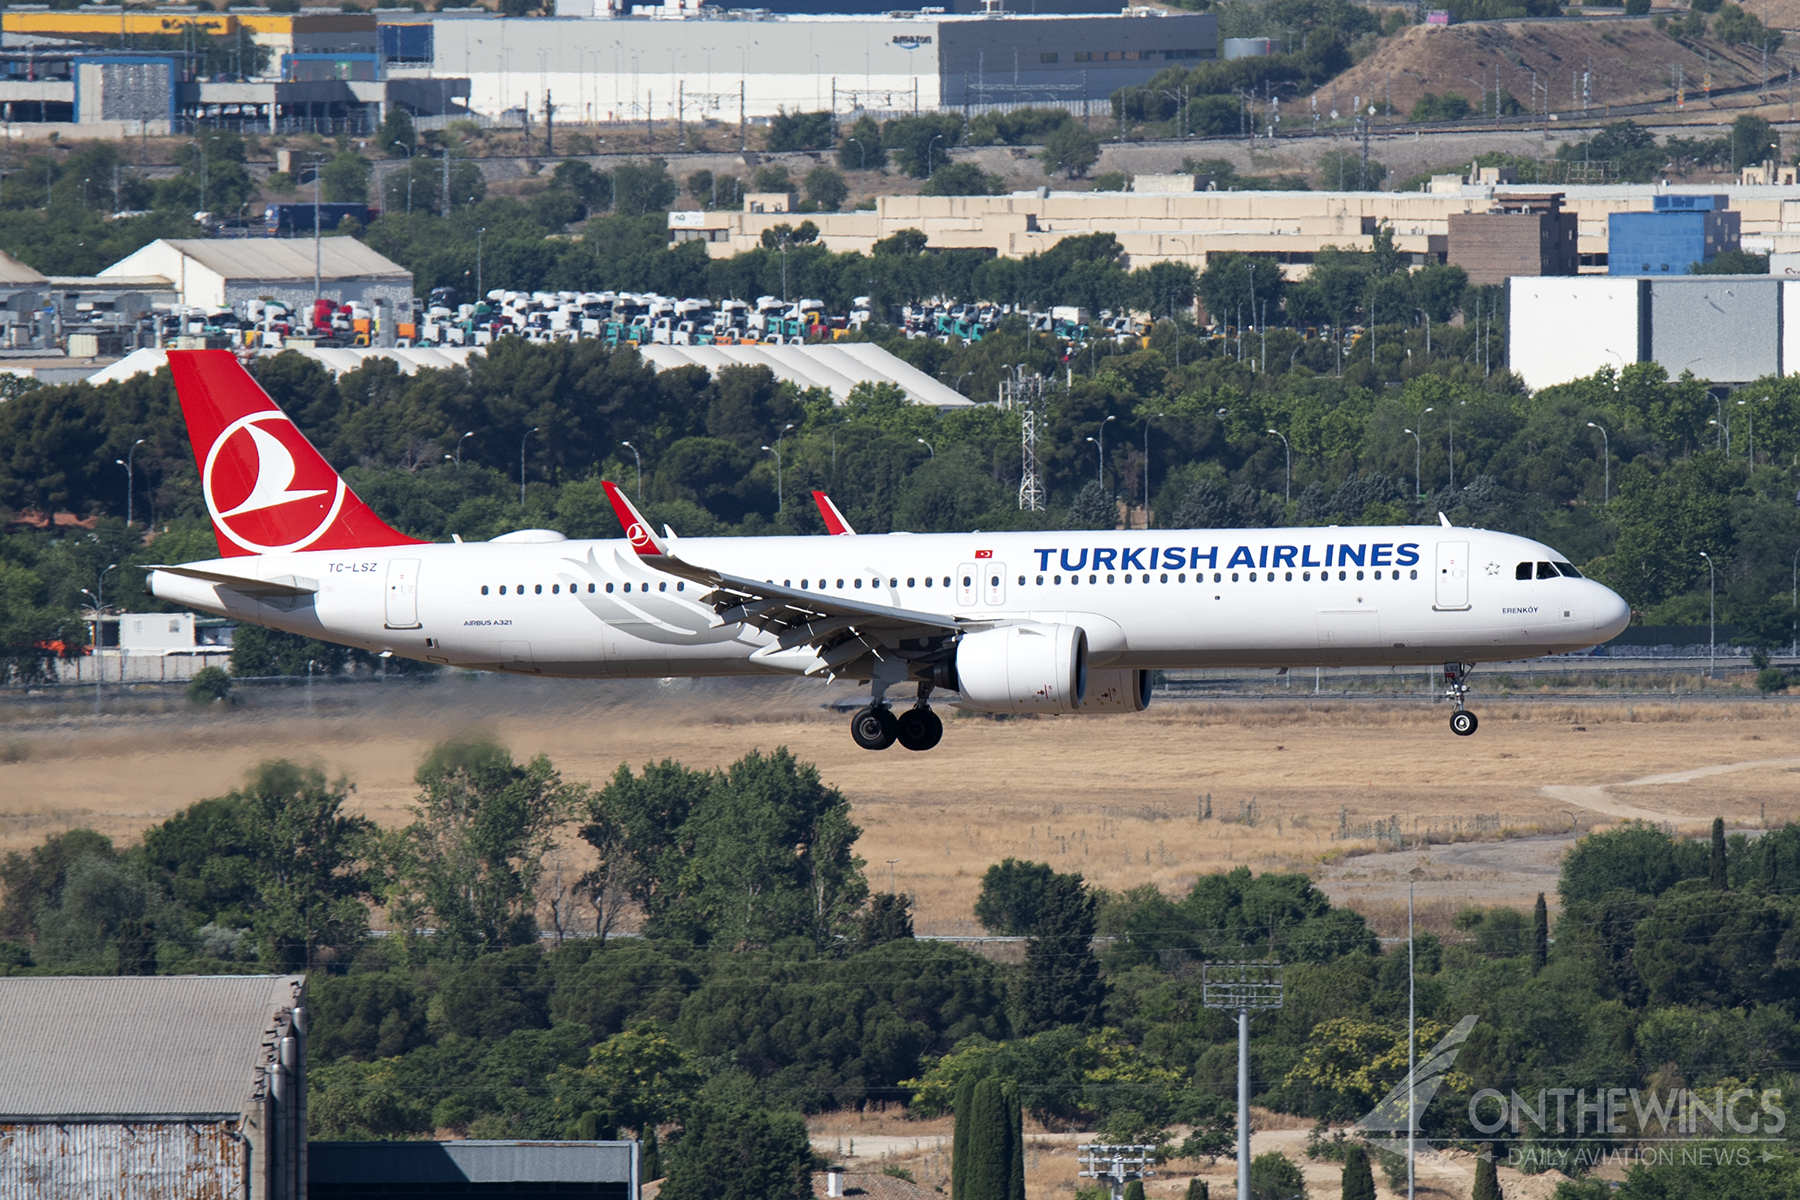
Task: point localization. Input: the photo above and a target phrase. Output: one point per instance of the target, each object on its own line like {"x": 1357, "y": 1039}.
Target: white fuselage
{"x": 1391, "y": 595}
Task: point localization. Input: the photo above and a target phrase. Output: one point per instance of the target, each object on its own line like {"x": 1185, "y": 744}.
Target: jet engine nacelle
{"x": 1023, "y": 668}
{"x": 1117, "y": 691}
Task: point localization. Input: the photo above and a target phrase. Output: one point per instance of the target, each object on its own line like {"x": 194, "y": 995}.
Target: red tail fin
{"x": 835, "y": 524}
{"x": 266, "y": 487}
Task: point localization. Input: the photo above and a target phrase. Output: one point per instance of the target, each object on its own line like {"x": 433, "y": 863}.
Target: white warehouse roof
{"x": 835, "y": 366}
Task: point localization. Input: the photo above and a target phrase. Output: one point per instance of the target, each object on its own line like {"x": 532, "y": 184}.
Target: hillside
{"x": 1630, "y": 60}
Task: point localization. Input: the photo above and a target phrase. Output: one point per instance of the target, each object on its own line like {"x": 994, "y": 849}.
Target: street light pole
{"x": 1418, "y": 454}
{"x": 927, "y": 446}
{"x": 1712, "y": 598}
{"x": 780, "y": 498}
{"x": 640, "y": 469}
{"x": 459, "y": 441}
{"x": 1102, "y": 444}
{"x": 1147, "y": 421}
{"x": 522, "y": 442}
{"x": 130, "y": 481}
{"x": 1606, "y": 454}
{"x": 1288, "y": 491}
{"x": 479, "y": 294}
{"x": 929, "y": 146}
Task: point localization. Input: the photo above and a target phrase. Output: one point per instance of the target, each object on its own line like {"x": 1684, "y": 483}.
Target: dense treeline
{"x": 1670, "y": 966}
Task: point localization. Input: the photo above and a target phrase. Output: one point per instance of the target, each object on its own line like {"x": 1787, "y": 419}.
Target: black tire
{"x": 920, "y": 729}
{"x": 1463, "y": 723}
{"x": 874, "y": 728}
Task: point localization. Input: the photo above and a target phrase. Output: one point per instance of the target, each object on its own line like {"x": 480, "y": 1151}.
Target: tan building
{"x": 1188, "y": 226}
{"x": 1518, "y": 235}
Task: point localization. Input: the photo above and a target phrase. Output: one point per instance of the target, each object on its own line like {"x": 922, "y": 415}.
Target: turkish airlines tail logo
{"x": 267, "y": 489}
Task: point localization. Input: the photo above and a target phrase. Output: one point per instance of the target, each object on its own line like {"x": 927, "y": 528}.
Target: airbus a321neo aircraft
{"x": 1009, "y": 622}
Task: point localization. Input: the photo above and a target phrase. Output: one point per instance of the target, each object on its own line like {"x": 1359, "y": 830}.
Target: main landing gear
{"x": 877, "y": 727}
{"x": 1456, "y": 687}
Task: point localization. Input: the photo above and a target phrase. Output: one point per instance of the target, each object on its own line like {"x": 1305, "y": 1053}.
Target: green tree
{"x": 888, "y": 919}
{"x": 826, "y": 188}
{"x": 1752, "y": 138}
{"x": 1358, "y": 1177}
{"x": 1070, "y": 148}
{"x": 793, "y": 131}
{"x": 861, "y": 148}
{"x": 1487, "y": 1176}
{"x": 1540, "y": 934}
{"x": 471, "y": 860}
{"x": 209, "y": 684}
{"x": 962, "y": 179}
{"x": 1134, "y": 1190}
{"x": 746, "y": 856}
{"x": 1232, "y": 282}
{"x": 962, "y": 1161}
{"x": 1197, "y": 1189}
{"x": 345, "y": 179}
{"x": 731, "y": 1151}
{"x": 642, "y": 186}
{"x": 1634, "y": 856}
{"x": 1273, "y": 1176}
{"x": 1060, "y": 983}
{"x": 399, "y": 138}
{"x": 1715, "y": 861}
{"x": 634, "y": 1080}
{"x": 1011, "y": 896}
{"x": 33, "y": 880}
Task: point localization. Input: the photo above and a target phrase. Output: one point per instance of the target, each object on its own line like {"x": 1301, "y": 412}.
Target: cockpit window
{"x": 1523, "y": 571}
{"x": 1546, "y": 570}
{"x": 1568, "y": 569}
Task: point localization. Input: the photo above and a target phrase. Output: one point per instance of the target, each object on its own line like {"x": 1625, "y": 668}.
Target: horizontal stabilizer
{"x": 281, "y": 585}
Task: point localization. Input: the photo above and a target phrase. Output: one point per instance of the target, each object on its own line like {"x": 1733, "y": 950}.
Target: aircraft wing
{"x": 839, "y": 628}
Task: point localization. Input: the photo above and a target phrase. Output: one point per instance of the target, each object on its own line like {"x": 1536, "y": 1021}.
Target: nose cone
{"x": 1611, "y": 613}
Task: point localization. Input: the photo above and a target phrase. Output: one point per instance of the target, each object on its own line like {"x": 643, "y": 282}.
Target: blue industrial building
{"x": 1674, "y": 235}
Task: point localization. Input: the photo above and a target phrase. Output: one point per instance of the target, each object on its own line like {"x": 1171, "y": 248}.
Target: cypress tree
{"x": 651, "y": 1167}
{"x": 989, "y": 1171}
{"x": 1134, "y": 1190}
{"x": 1770, "y": 867}
{"x": 959, "y": 1139}
{"x": 1540, "y": 934}
{"x": 1487, "y": 1177}
{"x": 1716, "y": 872}
{"x": 1015, "y": 1140}
{"x": 1198, "y": 1190}
{"x": 1359, "y": 1177}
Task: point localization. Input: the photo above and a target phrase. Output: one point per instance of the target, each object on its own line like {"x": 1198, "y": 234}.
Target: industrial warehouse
{"x": 708, "y": 64}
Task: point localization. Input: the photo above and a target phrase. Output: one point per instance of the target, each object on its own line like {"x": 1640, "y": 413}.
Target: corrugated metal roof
{"x": 836, "y": 366}
{"x": 124, "y": 1046}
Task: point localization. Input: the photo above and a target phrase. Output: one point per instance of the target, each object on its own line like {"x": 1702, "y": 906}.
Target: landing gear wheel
{"x": 874, "y": 728}
{"x": 1463, "y": 723}
{"x": 920, "y": 729}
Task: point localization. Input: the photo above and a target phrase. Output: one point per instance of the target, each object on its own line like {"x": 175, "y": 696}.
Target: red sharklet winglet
{"x": 835, "y": 524}
{"x": 643, "y": 539}
{"x": 266, "y": 488}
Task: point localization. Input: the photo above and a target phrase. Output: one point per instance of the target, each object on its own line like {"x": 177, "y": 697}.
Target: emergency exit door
{"x": 1452, "y": 575}
{"x": 403, "y": 593}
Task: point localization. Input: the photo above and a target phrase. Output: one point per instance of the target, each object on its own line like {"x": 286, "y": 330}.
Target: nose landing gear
{"x": 918, "y": 728}
{"x": 1456, "y": 687}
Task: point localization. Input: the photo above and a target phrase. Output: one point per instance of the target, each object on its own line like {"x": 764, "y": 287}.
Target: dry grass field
{"x": 1117, "y": 798}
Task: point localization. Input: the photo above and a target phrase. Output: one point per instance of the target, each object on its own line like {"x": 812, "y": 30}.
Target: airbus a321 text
{"x": 1007, "y": 622}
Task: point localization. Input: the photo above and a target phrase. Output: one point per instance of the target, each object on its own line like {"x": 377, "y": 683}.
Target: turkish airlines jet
{"x": 1009, "y": 622}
